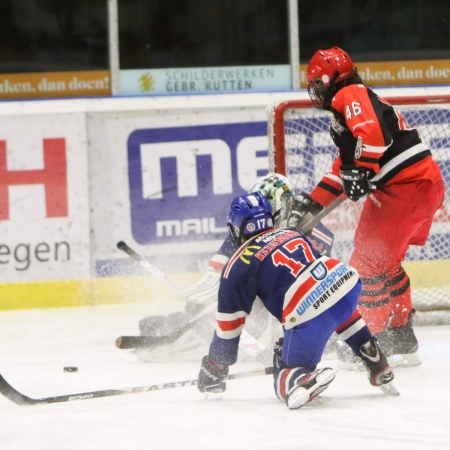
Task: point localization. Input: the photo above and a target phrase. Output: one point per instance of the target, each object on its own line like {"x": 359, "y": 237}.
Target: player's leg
{"x": 425, "y": 198}
{"x": 408, "y": 210}
{"x": 380, "y": 244}
{"x": 355, "y": 333}
{"x": 379, "y": 251}
{"x": 399, "y": 339}
{"x": 296, "y": 359}
{"x": 296, "y": 380}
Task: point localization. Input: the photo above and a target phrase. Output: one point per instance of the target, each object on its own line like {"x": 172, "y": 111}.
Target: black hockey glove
{"x": 303, "y": 204}
{"x": 210, "y": 377}
{"x": 356, "y": 181}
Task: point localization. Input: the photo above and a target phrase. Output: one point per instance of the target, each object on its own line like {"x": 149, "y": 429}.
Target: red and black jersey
{"x": 370, "y": 133}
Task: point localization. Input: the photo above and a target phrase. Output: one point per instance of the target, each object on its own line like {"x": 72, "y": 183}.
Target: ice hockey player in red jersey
{"x": 382, "y": 157}
{"x": 311, "y": 295}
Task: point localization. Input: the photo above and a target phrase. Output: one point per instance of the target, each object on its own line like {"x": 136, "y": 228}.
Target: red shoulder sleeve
{"x": 330, "y": 186}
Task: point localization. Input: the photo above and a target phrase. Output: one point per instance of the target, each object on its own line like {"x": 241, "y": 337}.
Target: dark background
{"x": 55, "y": 35}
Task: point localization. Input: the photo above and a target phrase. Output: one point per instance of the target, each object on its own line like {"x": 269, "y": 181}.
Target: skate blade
{"x": 405, "y": 360}
{"x": 389, "y": 389}
{"x": 301, "y": 396}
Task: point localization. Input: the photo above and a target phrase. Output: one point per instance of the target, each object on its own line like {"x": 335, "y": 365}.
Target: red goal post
{"x": 301, "y": 148}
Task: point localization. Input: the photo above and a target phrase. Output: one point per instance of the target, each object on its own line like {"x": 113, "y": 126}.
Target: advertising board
{"x": 44, "y": 213}
{"x": 169, "y": 187}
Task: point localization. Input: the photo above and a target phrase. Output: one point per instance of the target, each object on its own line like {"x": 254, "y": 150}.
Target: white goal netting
{"x": 300, "y": 147}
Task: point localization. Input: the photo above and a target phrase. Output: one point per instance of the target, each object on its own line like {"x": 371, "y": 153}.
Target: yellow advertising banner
{"x": 399, "y": 73}
{"x": 97, "y": 82}
{"x": 55, "y": 84}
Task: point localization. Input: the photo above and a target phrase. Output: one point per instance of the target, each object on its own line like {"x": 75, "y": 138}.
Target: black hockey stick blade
{"x": 130, "y": 342}
{"x": 23, "y": 400}
{"x": 121, "y": 245}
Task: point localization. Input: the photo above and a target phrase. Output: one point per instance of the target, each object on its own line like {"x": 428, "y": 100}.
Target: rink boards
{"x": 77, "y": 176}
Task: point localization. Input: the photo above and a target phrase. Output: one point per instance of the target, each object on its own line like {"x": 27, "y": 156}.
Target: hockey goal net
{"x": 301, "y": 148}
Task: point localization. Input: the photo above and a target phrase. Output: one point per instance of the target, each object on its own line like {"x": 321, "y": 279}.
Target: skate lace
{"x": 371, "y": 353}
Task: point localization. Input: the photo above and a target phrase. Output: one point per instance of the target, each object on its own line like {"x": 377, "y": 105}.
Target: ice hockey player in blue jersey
{"x": 262, "y": 329}
{"x": 311, "y": 295}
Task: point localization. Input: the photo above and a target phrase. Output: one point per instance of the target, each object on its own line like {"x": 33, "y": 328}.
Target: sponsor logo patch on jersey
{"x": 316, "y": 290}
{"x": 319, "y": 272}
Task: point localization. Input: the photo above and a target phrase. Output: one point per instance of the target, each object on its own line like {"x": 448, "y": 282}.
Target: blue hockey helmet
{"x": 249, "y": 214}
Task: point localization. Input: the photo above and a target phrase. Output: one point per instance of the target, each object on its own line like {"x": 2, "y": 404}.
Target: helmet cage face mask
{"x": 319, "y": 95}
{"x": 278, "y": 191}
{"x": 249, "y": 215}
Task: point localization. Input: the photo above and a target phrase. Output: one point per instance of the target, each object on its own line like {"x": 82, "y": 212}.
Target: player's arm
{"x": 236, "y": 297}
{"x": 330, "y": 187}
{"x": 307, "y": 206}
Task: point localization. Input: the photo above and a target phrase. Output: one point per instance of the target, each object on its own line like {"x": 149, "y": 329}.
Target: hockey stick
{"x": 314, "y": 220}
{"x": 150, "y": 268}
{"x": 23, "y": 400}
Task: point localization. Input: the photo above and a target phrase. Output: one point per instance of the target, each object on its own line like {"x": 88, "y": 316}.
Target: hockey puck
{"x": 70, "y": 369}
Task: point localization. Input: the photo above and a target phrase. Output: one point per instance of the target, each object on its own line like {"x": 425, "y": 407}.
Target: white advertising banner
{"x": 163, "y": 182}
{"x": 206, "y": 80}
{"x": 44, "y": 203}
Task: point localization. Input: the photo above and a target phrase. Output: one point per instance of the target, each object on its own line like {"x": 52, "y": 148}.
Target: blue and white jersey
{"x": 321, "y": 238}
{"x": 294, "y": 282}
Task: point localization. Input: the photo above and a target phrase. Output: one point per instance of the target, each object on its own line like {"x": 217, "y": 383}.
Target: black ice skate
{"x": 379, "y": 372}
{"x": 400, "y": 345}
{"x": 309, "y": 386}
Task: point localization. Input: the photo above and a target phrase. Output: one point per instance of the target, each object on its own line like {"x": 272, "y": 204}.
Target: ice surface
{"x": 351, "y": 414}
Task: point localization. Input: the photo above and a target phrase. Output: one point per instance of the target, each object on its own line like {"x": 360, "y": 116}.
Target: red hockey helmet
{"x": 325, "y": 69}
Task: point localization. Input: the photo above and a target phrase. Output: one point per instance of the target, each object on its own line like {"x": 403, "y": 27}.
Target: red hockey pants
{"x": 393, "y": 218}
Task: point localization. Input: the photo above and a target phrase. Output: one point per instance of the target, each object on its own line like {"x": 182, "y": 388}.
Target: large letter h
{"x": 53, "y": 176}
